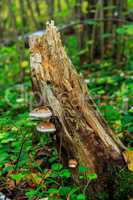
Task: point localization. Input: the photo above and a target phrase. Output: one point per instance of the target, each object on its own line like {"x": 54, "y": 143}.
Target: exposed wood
{"x": 85, "y": 136}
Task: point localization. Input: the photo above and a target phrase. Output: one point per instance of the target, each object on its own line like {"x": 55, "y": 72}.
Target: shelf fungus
{"x": 41, "y": 112}
{"x": 128, "y": 157}
{"x": 72, "y": 163}
{"x": 46, "y": 127}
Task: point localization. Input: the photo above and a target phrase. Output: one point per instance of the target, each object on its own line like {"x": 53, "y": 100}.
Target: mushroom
{"x": 46, "y": 127}
{"x": 72, "y": 163}
{"x": 41, "y": 112}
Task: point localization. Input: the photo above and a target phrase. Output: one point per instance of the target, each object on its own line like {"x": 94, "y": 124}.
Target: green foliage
{"x": 57, "y": 166}
{"x": 36, "y": 165}
{"x": 17, "y": 177}
{"x": 81, "y": 197}
{"x": 17, "y": 128}
{"x": 82, "y": 169}
{"x": 92, "y": 176}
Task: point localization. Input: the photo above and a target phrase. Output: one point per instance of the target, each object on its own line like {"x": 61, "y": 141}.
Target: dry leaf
{"x": 128, "y": 157}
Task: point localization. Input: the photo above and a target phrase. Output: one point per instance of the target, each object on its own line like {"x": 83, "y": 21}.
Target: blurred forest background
{"x": 98, "y": 37}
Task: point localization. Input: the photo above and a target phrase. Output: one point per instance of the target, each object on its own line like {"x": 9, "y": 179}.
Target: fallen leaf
{"x": 10, "y": 184}
{"x": 128, "y": 157}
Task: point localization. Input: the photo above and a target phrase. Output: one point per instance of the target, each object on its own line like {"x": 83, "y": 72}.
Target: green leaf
{"x": 57, "y": 166}
{"x": 92, "y": 176}
{"x": 130, "y": 148}
{"x": 121, "y": 31}
{"x": 8, "y": 168}
{"x": 130, "y": 129}
{"x": 81, "y": 197}
{"x": 52, "y": 191}
{"x": 64, "y": 190}
{"x": 81, "y": 177}
{"x": 82, "y": 169}
{"x": 54, "y": 174}
{"x": 65, "y": 173}
{"x": 31, "y": 193}
{"x": 17, "y": 177}
{"x": 129, "y": 29}
{"x": 130, "y": 110}
{"x": 4, "y": 157}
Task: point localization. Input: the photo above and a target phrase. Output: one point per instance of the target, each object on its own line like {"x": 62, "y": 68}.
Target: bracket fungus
{"x": 46, "y": 127}
{"x": 41, "y": 112}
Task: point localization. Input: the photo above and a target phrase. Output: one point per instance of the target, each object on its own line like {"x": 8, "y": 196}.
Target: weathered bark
{"x": 84, "y": 134}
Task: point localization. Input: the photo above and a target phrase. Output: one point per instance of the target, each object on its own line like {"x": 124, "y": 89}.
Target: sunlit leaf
{"x": 81, "y": 197}
{"x": 92, "y": 176}
{"x": 57, "y": 166}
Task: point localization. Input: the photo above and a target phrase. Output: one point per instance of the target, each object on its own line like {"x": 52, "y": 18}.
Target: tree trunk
{"x": 80, "y": 29}
{"x": 59, "y": 5}
{"x": 108, "y": 15}
{"x": 29, "y": 4}
{"x": 84, "y": 134}
{"x": 23, "y": 13}
{"x": 50, "y": 8}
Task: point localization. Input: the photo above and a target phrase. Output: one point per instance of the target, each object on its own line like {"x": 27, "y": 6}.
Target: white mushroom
{"x": 41, "y": 112}
{"x": 46, "y": 127}
{"x": 72, "y": 163}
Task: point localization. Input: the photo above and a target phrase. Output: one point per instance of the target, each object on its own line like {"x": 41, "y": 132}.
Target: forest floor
{"x": 29, "y": 164}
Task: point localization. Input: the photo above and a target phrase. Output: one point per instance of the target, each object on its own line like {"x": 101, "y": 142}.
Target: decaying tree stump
{"x": 84, "y": 134}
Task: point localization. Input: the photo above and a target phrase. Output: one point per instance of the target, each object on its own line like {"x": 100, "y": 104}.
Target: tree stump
{"x": 83, "y": 134}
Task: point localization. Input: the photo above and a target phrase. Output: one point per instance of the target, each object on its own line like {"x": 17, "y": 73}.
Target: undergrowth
{"x": 30, "y": 168}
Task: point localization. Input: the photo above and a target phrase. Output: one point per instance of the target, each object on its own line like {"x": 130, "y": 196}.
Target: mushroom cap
{"x": 46, "y": 127}
{"x": 72, "y": 163}
{"x": 41, "y": 112}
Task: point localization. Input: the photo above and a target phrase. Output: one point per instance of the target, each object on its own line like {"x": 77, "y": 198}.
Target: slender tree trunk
{"x": 50, "y": 7}
{"x": 107, "y": 16}
{"x": 38, "y": 12}
{"x": 1, "y": 21}
{"x": 119, "y": 39}
{"x": 84, "y": 134}
{"x": 12, "y": 16}
{"x": 19, "y": 45}
{"x": 59, "y": 5}
{"x": 23, "y": 13}
{"x": 29, "y": 4}
{"x": 37, "y": 7}
{"x": 79, "y": 16}
{"x": 80, "y": 29}
{"x": 67, "y": 3}
{"x": 101, "y": 17}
